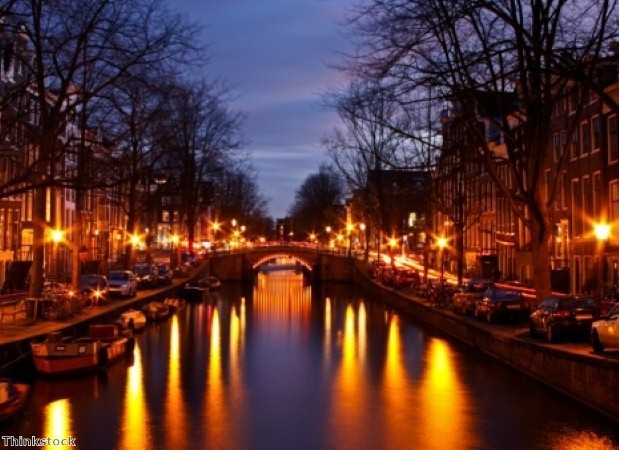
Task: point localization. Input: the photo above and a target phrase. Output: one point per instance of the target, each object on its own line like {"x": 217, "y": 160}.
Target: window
{"x": 614, "y": 201}
{"x": 585, "y": 138}
{"x": 575, "y": 146}
{"x": 597, "y": 194}
{"x": 587, "y": 196}
{"x": 613, "y": 139}
{"x": 573, "y": 100}
{"x": 576, "y": 208}
{"x": 596, "y": 132}
{"x": 556, "y": 144}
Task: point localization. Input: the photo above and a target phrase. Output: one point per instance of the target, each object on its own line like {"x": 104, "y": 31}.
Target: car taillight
{"x": 562, "y": 314}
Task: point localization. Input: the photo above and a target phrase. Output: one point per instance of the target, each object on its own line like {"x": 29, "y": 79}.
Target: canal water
{"x": 282, "y": 365}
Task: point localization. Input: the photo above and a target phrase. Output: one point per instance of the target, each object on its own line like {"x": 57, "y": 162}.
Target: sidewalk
{"x": 28, "y": 328}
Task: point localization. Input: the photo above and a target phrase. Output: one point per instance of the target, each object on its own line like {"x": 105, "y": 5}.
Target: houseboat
{"x": 59, "y": 354}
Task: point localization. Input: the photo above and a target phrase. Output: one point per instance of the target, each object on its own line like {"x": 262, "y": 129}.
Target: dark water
{"x": 285, "y": 368}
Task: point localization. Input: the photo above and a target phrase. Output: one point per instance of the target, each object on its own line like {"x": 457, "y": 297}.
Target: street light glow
{"x": 441, "y": 242}
{"x": 602, "y": 231}
{"x": 57, "y": 236}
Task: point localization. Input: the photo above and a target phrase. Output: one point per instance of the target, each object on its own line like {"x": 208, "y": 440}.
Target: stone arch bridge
{"x": 316, "y": 264}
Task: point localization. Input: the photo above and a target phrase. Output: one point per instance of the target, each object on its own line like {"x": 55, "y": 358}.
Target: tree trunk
{"x": 38, "y": 242}
{"x": 540, "y": 258}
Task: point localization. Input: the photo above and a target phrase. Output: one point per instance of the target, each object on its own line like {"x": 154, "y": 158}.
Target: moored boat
{"x": 12, "y": 398}
{"x": 59, "y": 354}
{"x": 133, "y": 319}
{"x": 156, "y": 311}
{"x": 174, "y": 303}
{"x": 213, "y": 283}
{"x": 115, "y": 343}
{"x": 193, "y": 291}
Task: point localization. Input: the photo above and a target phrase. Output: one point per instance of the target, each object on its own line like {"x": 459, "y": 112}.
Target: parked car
{"x": 375, "y": 268}
{"x": 122, "y": 282}
{"x": 610, "y": 300}
{"x": 164, "y": 274}
{"x": 95, "y": 286}
{"x": 405, "y": 277}
{"x": 469, "y": 293}
{"x": 557, "y": 316}
{"x": 146, "y": 275}
{"x": 605, "y": 332}
{"x": 502, "y": 303}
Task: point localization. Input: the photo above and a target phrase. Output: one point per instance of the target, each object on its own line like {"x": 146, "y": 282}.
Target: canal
{"x": 283, "y": 365}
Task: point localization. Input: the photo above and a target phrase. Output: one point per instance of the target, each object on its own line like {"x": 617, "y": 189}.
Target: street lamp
{"x": 233, "y": 222}
{"x": 441, "y": 242}
{"x": 328, "y": 230}
{"x": 602, "y": 233}
{"x": 57, "y": 236}
{"x": 349, "y": 229}
{"x": 173, "y": 257}
{"x": 216, "y": 227}
{"x": 362, "y": 229}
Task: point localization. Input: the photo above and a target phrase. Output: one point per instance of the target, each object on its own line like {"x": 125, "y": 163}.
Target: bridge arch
{"x": 243, "y": 265}
{"x": 296, "y": 258}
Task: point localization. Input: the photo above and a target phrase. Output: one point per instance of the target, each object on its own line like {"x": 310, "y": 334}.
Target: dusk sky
{"x": 276, "y": 55}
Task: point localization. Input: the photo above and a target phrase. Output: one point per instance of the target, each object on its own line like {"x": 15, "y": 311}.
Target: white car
{"x": 122, "y": 282}
{"x": 605, "y": 332}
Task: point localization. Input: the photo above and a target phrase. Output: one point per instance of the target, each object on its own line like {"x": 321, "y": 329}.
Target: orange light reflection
{"x": 446, "y": 417}
{"x": 176, "y": 417}
{"x": 134, "y": 432}
{"x": 350, "y": 401}
{"x": 396, "y": 402}
{"x": 58, "y": 421}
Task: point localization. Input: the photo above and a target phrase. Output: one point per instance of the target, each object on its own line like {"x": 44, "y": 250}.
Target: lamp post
{"x": 233, "y": 222}
{"x": 328, "y": 230}
{"x": 602, "y": 233}
{"x": 57, "y": 237}
{"x": 173, "y": 257}
{"x": 362, "y": 229}
{"x": 349, "y": 229}
{"x": 216, "y": 227}
{"x": 441, "y": 242}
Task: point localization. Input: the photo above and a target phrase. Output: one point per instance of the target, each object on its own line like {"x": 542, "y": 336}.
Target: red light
{"x": 564, "y": 314}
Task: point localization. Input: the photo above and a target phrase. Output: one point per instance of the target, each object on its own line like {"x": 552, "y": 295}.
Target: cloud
{"x": 274, "y": 53}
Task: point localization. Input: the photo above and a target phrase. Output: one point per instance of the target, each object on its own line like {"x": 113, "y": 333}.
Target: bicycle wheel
{"x": 87, "y": 302}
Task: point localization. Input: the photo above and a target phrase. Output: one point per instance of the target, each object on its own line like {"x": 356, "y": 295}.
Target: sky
{"x": 276, "y": 56}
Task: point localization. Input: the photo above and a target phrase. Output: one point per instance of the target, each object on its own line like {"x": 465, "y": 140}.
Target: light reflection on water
{"x": 281, "y": 368}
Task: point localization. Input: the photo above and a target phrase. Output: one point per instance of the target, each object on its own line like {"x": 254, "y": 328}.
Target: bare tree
{"x": 237, "y": 196}
{"x": 318, "y": 200}
{"x": 456, "y": 49}
{"x": 377, "y": 134}
{"x": 201, "y": 134}
{"x": 78, "y": 51}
